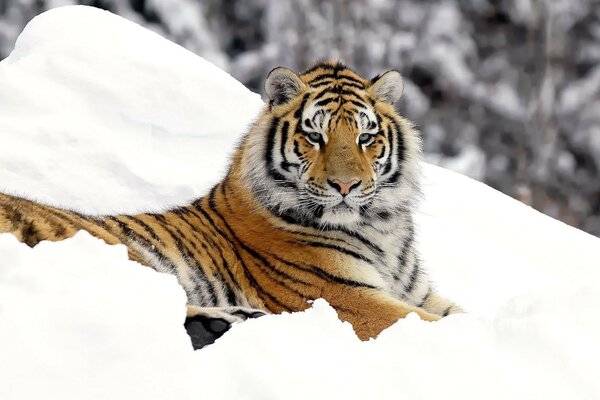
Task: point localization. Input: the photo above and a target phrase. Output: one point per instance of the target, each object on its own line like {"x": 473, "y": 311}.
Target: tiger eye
{"x": 364, "y": 138}
{"x": 314, "y": 137}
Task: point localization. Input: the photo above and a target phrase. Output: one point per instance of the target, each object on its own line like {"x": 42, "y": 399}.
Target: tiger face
{"x": 330, "y": 149}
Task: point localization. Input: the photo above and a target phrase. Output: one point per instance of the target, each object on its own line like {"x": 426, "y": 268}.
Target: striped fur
{"x": 278, "y": 231}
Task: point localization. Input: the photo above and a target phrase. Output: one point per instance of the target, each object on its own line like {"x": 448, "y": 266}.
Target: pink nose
{"x": 344, "y": 187}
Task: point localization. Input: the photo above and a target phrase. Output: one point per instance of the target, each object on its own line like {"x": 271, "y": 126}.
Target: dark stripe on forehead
{"x": 324, "y": 102}
{"x": 357, "y": 103}
{"x": 343, "y": 96}
{"x": 325, "y": 67}
{"x": 336, "y": 74}
{"x": 340, "y": 90}
{"x": 320, "y": 81}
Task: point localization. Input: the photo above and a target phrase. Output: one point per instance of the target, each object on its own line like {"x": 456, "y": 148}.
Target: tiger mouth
{"x": 342, "y": 206}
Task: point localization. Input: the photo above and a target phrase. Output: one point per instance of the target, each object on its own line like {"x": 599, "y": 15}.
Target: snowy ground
{"x": 129, "y": 121}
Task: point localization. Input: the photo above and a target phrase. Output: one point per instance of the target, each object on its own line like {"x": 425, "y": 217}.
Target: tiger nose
{"x": 344, "y": 187}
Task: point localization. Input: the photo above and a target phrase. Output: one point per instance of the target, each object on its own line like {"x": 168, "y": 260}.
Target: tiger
{"x": 318, "y": 202}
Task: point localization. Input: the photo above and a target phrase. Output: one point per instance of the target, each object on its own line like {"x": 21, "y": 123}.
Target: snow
{"x": 126, "y": 121}
{"x": 109, "y": 96}
{"x": 74, "y": 326}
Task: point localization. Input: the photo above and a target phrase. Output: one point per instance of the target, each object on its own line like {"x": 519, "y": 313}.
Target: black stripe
{"x": 446, "y": 311}
{"x": 133, "y": 235}
{"x": 29, "y": 233}
{"x": 363, "y": 240}
{"x": 297, "y": 149}
{"x": 340, "y": 81}
{"x": 57, "y": 226}
{"x": 278, "y": 178}
{"x": 318, "y": 67}
{"x": 335, "y": 75}
{"x": 247, "y": 274}
{"x": 382, "y": 153}
{"x": 338, "y": 91}
{"x": 324, "y": 102}
{"x": 320, "y": 81}
{"x": 392, "y": 140}
{"x": 68, "y": 217}
{"x": 101, "y": 224}
{"x": 270, "y": 146}
{"x": 262, "y": 259}
{"x": 400, "y": 153}
{"x": 357, "y": 103}
{"x": 355, "y": 235}
{"x": 204, "y": 241}
{"x": 337, "y": 248}
{"x": 412, "y": 280}
{"x": 187, "y": 256}
{"x": 212, "y": 285}
{"x": 321, "y": 273}
{"x": 358, "y": 86}
{"x": 424, "y": 300}
{"x": 317, "y": 236}
{"x": 351, "y": 79}
{"x": 298, "y": 112}
{"x": 406, "y": 246}
{"x": 224, "y": 266}
{"x": 183, "y": 252}
{"x": 284, "y": 135}
{"x": 145, "y": 226}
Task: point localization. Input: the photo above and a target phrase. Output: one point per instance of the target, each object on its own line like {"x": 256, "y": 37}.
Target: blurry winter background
{"x": 505, "y": 91}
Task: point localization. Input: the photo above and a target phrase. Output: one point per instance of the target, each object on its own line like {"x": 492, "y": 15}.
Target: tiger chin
{"x": 318, "y": 202}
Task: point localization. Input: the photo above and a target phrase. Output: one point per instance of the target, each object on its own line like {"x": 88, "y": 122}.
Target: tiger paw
{"x": 204, "y": 325}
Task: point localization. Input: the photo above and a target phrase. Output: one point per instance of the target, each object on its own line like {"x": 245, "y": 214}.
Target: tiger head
{"x": 329, "y": 149}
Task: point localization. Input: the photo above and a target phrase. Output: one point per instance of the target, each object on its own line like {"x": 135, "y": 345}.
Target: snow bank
{"x": 79, "y": 320}
{"x": 105, "y": 116}
{"x": 98, "y": 114}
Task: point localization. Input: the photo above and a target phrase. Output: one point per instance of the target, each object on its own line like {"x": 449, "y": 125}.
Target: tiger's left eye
{"x": 364, "y": 138}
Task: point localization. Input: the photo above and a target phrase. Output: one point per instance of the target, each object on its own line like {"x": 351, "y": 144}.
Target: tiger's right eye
{"x": 314, "y": 137}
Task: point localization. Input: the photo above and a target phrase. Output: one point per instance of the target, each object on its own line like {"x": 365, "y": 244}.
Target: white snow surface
{"x": 100, "y": 115}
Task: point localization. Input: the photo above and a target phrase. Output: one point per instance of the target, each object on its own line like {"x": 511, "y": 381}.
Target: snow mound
{"x": 88, "y": 101}
{"x": 100, "y": 115}
{"x": 74, "y": 326}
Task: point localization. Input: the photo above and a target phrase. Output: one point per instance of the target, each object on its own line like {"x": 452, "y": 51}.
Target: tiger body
{"x": 318, "y": 203}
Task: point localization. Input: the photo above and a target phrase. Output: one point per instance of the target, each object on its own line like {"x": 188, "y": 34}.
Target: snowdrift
{"x": 100, "y": 115}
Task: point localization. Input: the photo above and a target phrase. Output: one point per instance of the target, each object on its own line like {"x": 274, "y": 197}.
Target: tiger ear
{"x": 282, "y": 85}
{"x": 387, "y": 87}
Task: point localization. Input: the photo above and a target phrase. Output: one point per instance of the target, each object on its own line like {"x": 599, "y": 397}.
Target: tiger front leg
{"x": 436, "y": 304}
{"x": 204, "y": 325}
{"x": 371, "y": 311}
